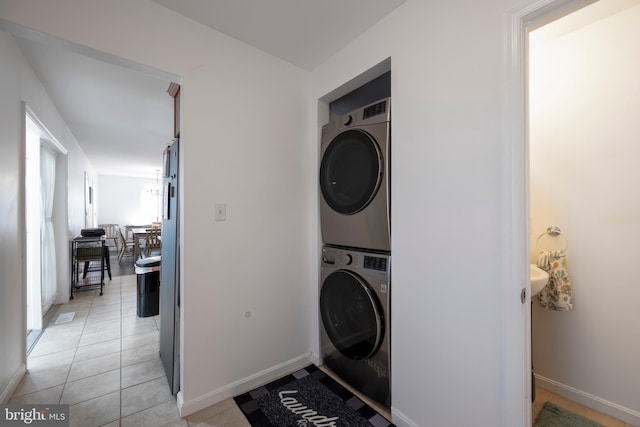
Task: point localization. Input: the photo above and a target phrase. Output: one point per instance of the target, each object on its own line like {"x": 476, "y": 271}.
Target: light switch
{"x": 221, "y": 212}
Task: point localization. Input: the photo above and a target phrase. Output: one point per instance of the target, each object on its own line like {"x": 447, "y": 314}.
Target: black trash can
{"x": 148, "y": 272}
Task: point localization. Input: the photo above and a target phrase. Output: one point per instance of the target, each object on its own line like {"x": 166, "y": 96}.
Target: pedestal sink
{"x": 539, "y": 278}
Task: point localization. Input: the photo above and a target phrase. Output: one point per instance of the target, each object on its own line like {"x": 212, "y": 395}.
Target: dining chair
{"x": 152, "y": 240}
{"x": 126, "y": 246}
{"x": 111, "y": 233}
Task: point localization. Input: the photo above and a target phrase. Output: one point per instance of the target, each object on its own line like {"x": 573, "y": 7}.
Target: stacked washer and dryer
{"x": 355, "y": 295}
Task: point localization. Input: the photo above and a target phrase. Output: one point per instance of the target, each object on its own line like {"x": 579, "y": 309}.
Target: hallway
{"x": 105, "y": 365}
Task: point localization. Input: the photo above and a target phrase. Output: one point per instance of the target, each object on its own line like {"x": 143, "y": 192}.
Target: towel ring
{"x": 553, "y": 231}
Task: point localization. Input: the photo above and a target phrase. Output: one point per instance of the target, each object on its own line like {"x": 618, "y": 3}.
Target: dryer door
{"x": 351, "y": 171}
{"x": 351, "y": 315}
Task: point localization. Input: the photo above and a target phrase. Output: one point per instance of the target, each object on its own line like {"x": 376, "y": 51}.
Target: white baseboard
{"x": 244, "y": 385}
{"x": 315, "y": 359}
{"x": 400, "y": 419}
{"x": 590, "y": 401}
{"x": 13, "y": 384}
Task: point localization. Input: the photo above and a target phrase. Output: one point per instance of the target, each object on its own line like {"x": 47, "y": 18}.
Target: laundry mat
{"x": 307, "y": 398}
{"x": 554, "y": 416}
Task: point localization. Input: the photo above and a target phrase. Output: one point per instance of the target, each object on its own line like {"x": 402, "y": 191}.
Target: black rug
{"x": 307, "y": 398}
{"x": 554, "y": 416}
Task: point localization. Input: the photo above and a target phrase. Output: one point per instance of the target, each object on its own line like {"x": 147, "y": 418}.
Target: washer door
{"x": 351, "y": 171}
{"x": 351, "y": 315}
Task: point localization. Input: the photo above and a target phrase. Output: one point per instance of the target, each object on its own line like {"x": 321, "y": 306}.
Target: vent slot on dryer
{"x": 374, "y": 110}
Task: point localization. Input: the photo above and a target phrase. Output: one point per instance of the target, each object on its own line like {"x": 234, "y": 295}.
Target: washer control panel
{"x": 339, "y": 257}
{"x": 375, "y": 263}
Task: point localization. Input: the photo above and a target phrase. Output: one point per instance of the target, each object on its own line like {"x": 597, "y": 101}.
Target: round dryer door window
{"x": 351, "y": 315}
{"x": 351, "y": 171}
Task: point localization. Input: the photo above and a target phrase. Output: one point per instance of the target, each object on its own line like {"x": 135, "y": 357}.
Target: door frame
{"x": 518, "y": 22}
{"x": 60, "y": 218}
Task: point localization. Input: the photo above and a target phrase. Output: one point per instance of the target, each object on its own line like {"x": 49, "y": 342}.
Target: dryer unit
{"x": 355, "y": 301}
{"x": 355, "y": 178}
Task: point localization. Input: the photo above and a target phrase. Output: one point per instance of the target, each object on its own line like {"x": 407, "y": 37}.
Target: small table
{"x": 128, "y": 228}
{"x": 138, "y": 233}
{"x": 85, "y": 250}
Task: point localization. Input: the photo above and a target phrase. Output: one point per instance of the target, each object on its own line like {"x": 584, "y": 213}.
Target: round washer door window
{"x": 351, "y": 315}
{"x": 350, "y": 171}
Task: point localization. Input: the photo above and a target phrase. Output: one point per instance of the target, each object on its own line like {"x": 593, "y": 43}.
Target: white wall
{"x": 124, "y": 200}
{"x": 244, "y": 142}
{"x": 585, "y": 98}
{"x": 19, "y": 84}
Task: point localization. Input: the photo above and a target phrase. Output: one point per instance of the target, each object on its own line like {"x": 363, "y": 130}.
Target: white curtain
{"x": 47, "y": 247}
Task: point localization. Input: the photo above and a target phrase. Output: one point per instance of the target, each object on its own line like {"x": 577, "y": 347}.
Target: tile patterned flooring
{"x": 105, "y": 365}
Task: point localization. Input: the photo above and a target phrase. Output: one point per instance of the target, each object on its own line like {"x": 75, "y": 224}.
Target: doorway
{"x": 45, "y": 223}
{"x": 583, "y": 95}
{"x": 521, "y": 21}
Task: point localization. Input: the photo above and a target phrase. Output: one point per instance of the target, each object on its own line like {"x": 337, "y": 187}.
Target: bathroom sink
{"x": 539, "y": 278}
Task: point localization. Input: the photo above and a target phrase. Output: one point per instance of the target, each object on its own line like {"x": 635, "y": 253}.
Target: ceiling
{"x": 121, "y": 114}
{"x": 303, "y": 32}
{"x": 580, "y": 18}
{"x": 122, "y": 118}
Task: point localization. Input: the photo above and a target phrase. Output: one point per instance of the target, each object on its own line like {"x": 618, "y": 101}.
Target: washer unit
{"x": 354, "y": 178}
{"x": 355, "y": 302}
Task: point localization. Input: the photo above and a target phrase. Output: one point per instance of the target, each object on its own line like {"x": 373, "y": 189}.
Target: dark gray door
{"x": 351, "y": 171}
{"x": 169, "y": 273}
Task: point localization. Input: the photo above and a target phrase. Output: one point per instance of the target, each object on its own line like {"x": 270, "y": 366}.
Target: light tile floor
{"x": 105, "y": 365}
{"x": 543, "y": 396}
